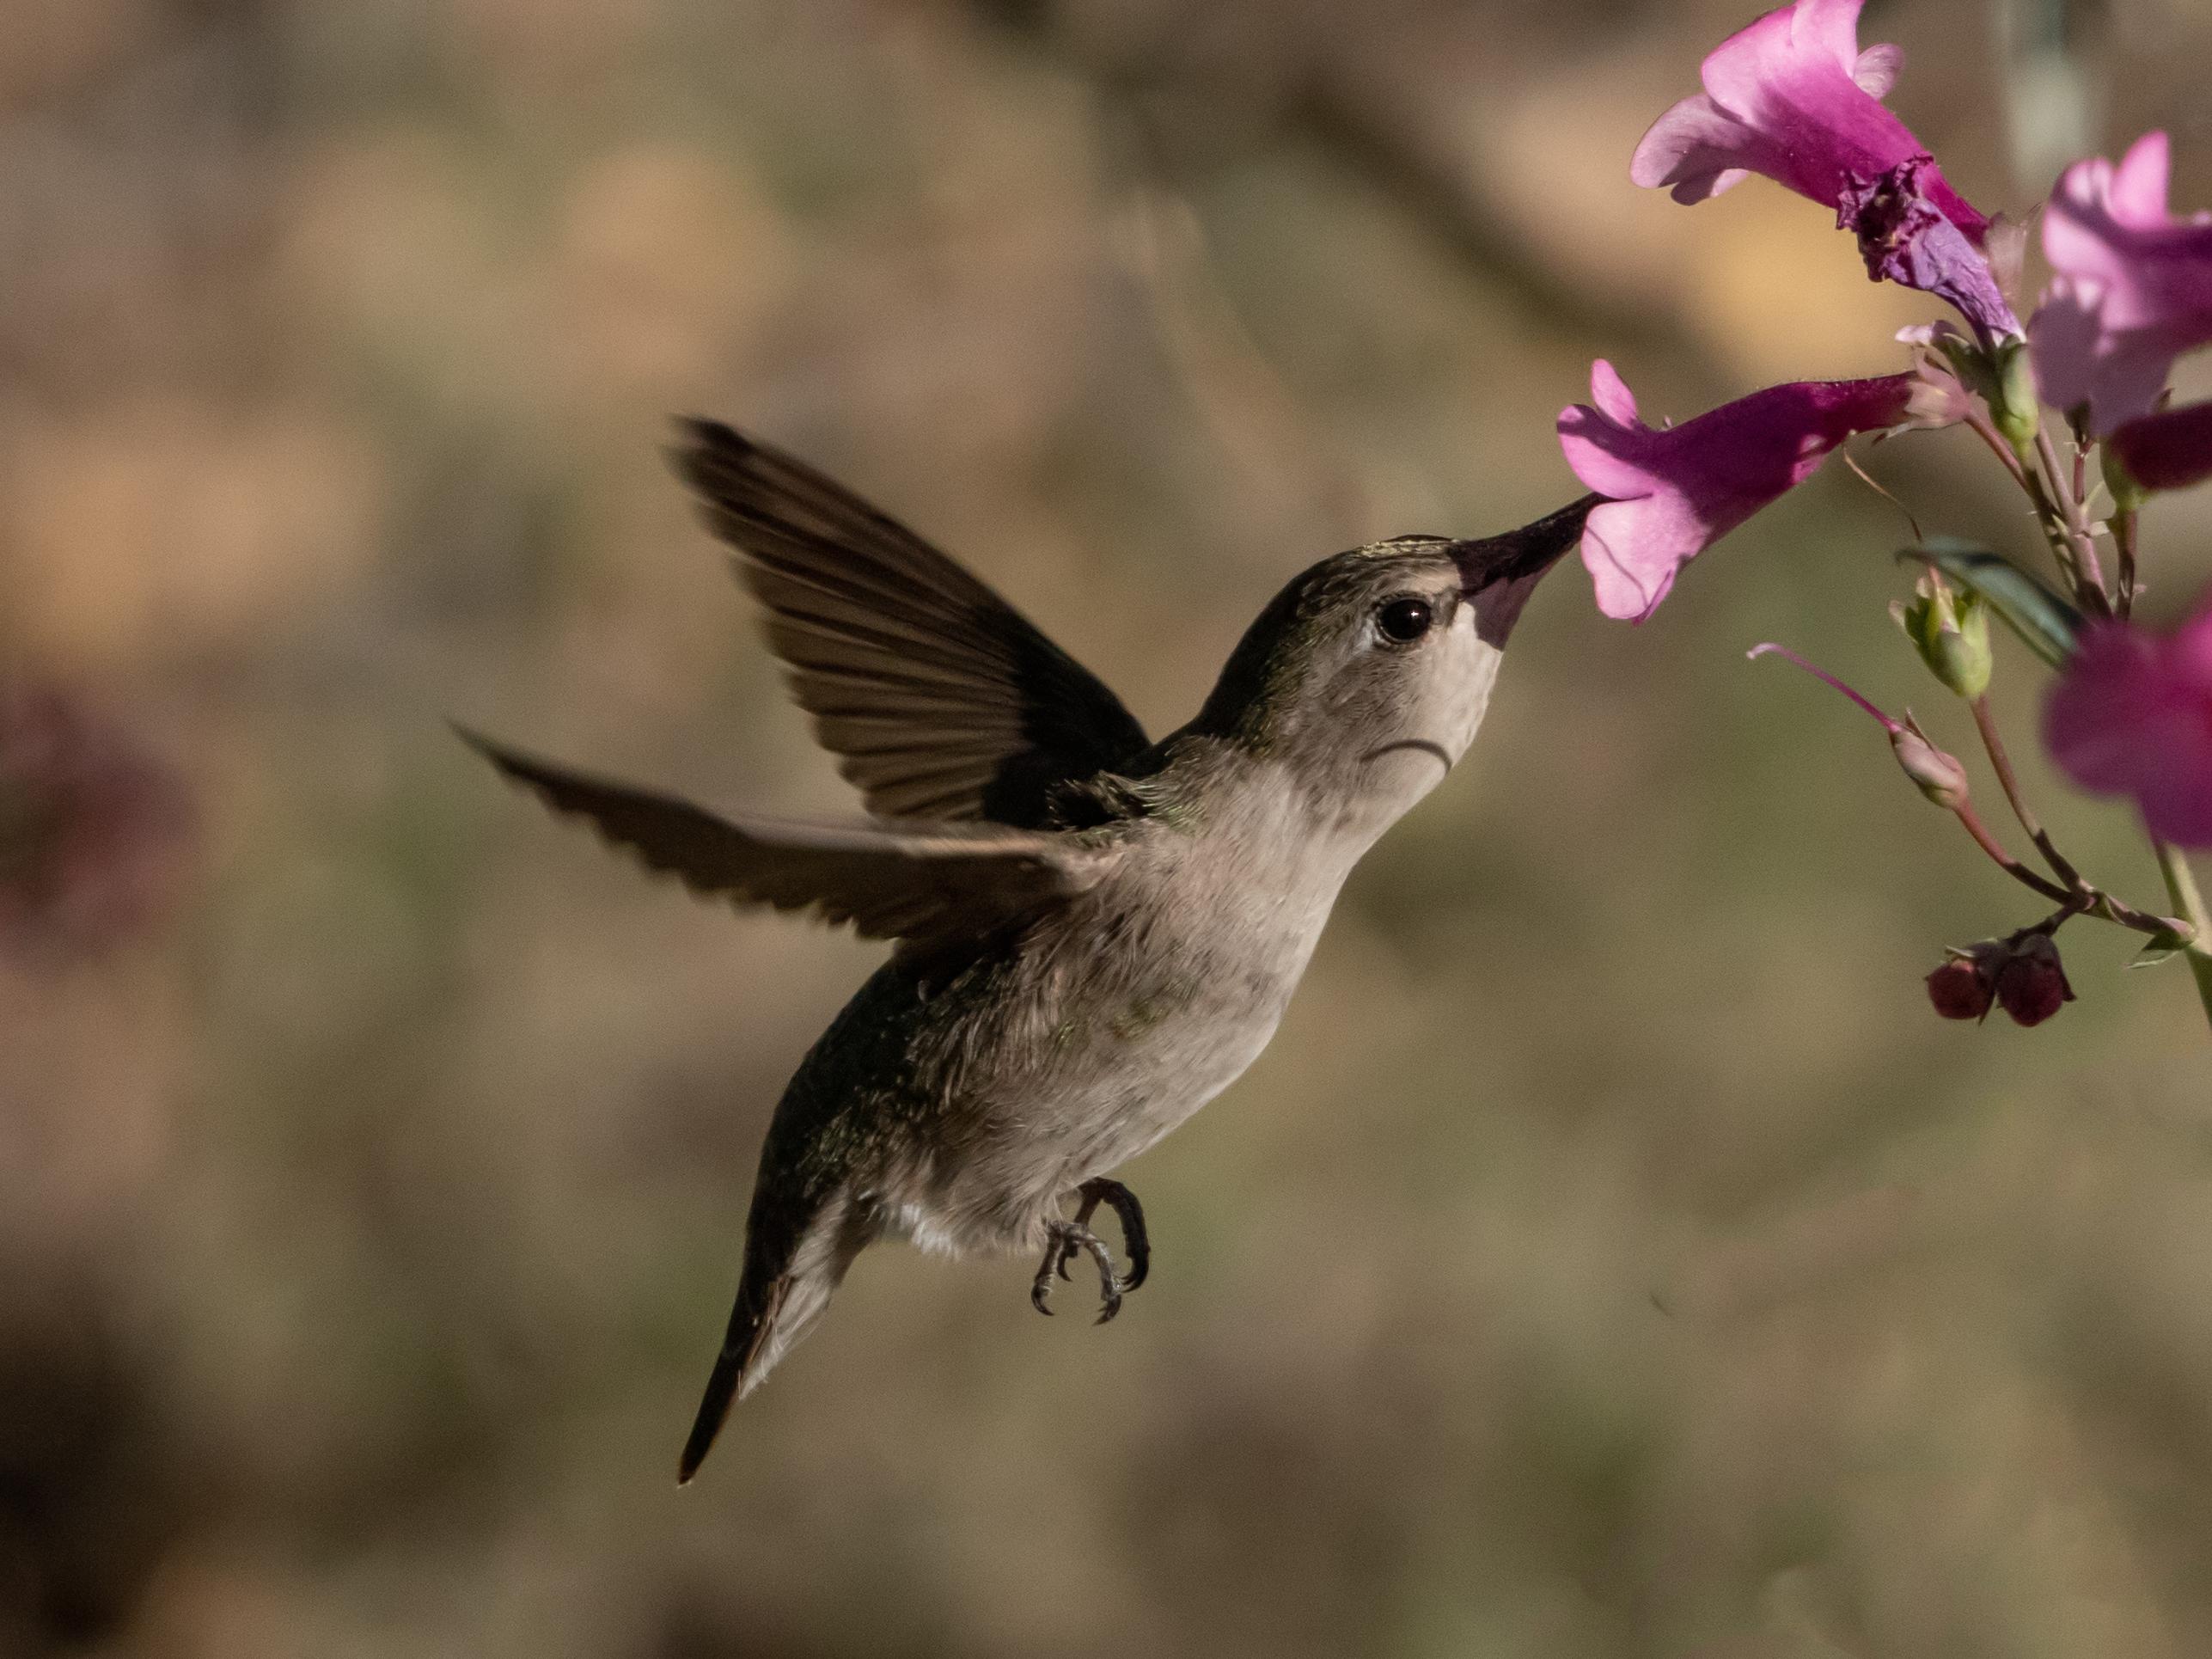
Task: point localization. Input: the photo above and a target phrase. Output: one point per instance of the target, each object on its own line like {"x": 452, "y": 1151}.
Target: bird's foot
{"x": 1127, "y": 1211}
{"x": 1062, "y": 1240}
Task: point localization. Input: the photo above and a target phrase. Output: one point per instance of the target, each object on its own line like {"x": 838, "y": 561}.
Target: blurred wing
{"x": 941, "y": 700}
{"x": 890, "y": 882}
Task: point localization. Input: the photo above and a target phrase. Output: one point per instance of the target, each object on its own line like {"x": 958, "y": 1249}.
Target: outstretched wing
{"x": 942, "y": 701}
{"x": 914, "y": 882}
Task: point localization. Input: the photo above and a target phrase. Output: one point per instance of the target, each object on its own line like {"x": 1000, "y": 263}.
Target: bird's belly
{"x": 1162, "y": 1079}
{"x": 1104, "y": 1086}
{"x": 1135, "y": 1049}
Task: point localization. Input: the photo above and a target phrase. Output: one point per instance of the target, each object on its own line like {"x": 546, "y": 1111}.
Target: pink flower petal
{"x": 2133, "y": 289}
{"x": 1695, "y": 149}
{"x": 2139, "y": 182}
{"x": 1677, "y": 490}
{"x": 1612, "y": 395}
{"x": 2133, "y": 716}
{"x": 1878, "y": 68}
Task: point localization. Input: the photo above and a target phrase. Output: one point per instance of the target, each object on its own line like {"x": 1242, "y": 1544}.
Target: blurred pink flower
{"x": 92, "y": 831}
{"x": 1793, "y": 98}
{"x": 2133, "y": 716}
{"x": 2170, "y": 451}
{"x": 2133, "y": 289}
{"x": 1677, "y": 490}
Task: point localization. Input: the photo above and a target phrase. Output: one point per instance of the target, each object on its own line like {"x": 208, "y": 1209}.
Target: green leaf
{"x": 2047, "y": 623}
{"x": 2160, "y": 947}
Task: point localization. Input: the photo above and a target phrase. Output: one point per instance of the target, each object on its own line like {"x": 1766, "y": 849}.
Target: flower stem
{"x": 2081, "y": 900}
{"x": 1985, "y": 722}
{"x": 2084, "y": 899}
{"x": 1990, "y": 435}
{"x": 2068, "y": 526}
{"x": 2123, "y": 534}
{"x": 2181, "y": 887}
{"x": 2070, "y": 892}
{"x": 2012, "y": 866}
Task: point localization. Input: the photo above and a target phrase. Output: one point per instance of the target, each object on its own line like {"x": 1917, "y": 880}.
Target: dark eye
{"x": 1405, "y": 621}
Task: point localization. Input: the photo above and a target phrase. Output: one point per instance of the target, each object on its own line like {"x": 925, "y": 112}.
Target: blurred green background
{"x": 1613, "y": 1255}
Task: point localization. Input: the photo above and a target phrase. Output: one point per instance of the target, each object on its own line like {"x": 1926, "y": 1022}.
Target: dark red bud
{"x": 1960, "y": 990}
{"x": 2032, "y": 981}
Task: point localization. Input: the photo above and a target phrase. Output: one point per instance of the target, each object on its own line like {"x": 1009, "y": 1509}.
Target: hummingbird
{"x": 1094, "y": 934}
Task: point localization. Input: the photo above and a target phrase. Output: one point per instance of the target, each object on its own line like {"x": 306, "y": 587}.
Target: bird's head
{"x": 1368, "y": 674}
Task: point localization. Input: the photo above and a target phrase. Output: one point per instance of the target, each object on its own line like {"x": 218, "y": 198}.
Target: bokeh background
{"x": 1613, "y": 1255}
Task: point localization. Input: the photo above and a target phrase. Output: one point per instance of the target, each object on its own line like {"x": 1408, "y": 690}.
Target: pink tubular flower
{"x": 1677, "y": 490}
{"x": 1793, "y": 98}
{"x": 2133, "y": 289}
{"x": 2170, "y": 451}
{"x": 2133, "y": 716}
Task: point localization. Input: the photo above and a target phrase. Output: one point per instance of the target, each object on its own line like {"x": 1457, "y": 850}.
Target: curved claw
{"x": 1061, "y": 1244}
{"x": 1131, "y": 1214}
{"x": 1065, "y": 1239}
{"x": 1109, "y": 1284}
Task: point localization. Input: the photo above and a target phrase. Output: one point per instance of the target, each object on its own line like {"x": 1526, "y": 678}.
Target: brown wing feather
{"x": 915, "y": 882}
{"x": 942, "y": 701}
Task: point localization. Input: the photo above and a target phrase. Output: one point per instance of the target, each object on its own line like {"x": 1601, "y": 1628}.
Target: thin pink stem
{"x": 1824, "y": 677}
{"x": 2002, "y": 451}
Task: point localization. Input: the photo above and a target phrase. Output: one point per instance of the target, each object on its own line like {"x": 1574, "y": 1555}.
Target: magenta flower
{"x": 2170, "y": 451}
{"x": 2133, "y": 716}
{"x": 1793, "y": 98}
{"x": 2133, "y": 289}
{"x": 1677, "y": 490}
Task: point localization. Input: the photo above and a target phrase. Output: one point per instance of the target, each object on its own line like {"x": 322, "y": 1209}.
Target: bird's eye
{"x": 1402, "y": 621}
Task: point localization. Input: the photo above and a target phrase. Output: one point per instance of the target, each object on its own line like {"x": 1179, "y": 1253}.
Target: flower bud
{"x": 2128, "y": 496}
{"x": 1976, "y": 372}
{"x": 1937, "y": 775}
{"x": 2031, "y": 982}
{"x": 1951, "y": 631}
{"x": 2015, "y": 410}
{"x": 1960, "y": 989}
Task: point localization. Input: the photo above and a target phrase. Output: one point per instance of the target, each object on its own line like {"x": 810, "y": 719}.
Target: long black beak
{"x": 1498, "y": 575}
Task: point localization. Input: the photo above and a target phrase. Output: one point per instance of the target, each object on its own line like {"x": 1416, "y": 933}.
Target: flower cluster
{"x": 1795, "y": 99}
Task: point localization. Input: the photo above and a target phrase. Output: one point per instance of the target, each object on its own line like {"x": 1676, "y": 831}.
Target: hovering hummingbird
{"x": 1096, "y": 934}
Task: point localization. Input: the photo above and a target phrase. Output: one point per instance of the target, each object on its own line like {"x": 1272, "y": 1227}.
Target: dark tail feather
{"x": 750, "y": 1323}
